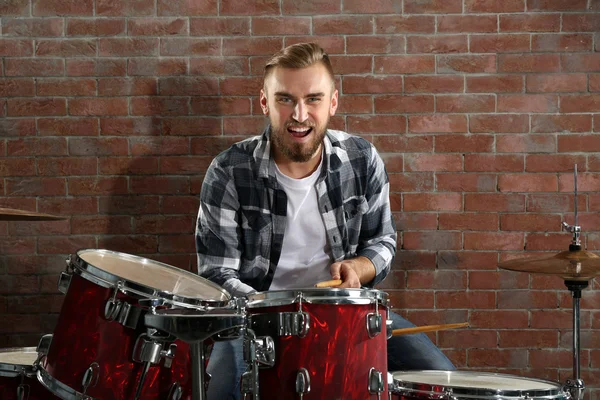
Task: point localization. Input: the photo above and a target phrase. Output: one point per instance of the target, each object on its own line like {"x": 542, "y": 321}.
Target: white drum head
{"x": 112, "y": 266}
{"x": 18, "y": 356}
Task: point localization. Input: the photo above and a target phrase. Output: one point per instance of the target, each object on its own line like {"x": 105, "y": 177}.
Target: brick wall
{"x": 112, "y": 109}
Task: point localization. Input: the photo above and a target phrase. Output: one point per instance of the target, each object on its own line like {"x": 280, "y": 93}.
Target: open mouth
{"x": 299, "y": 131}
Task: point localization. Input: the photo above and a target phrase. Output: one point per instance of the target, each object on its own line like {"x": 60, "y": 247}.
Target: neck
{"x": 298, "y": 170}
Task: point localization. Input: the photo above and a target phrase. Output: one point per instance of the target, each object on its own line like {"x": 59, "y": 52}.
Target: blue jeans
{"x": 406, "y": 352}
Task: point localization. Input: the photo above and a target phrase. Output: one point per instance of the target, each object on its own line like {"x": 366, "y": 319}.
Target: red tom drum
{"x": 324, "y": 344}
{"x": 101, "y": 348}
{"x": 17, "y": 375}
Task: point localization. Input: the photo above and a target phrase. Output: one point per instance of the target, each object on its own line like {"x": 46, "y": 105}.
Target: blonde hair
{"x": 297, "y": 56}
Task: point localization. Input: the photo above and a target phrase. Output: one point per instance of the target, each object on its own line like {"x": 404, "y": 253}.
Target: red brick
{"x": 530, "y": 23}
{"x": 580, "y": 62}
{"x": 65, "y": 48}
{"x": 234, "y": 86}
{"x": 159, "y": 146}
{"x": 312, "y": 7}
{"x": 414, "y": 299}
{"x": 97, "y": 67}
{"x": 464, "y": 143}
{"x": 176, "y": 244}
{"x": 159, "y": 185}
{"x": 391, "y": 24}
{"x": 528, "y": 339}
{"x": 433, "y": 162}
{"x": 157, "y": 26}
{"x": 377, "y": 124}
{"x": 437, "y": 44}
{"x": 554, "y": 162}
{"x": 432, "y": 6}
{"x": 160, "y": 224}
{"x": 15, "y": 8}
{"x": 132, "y": 244}
{"x": 393, "y": 162}
{"x": 68, "y": 126}
{"x": 494, "y": 84}
{"x": 95, "y": 27}
{"x": 419, "y": 182}
{"x": 33, "y": 27}
{"x": 154, "y": 67}
{"x": 527, "y": 183}
{"x": 267, "y": 26}
{"x": 36, "y": 187}
{"x": 37, "y": 147}
{"x": 437, "y": 124}
{"x": 98, "y": 146}
{"x": 405, "y": 64}
{"x": 180, "y": 205}
{"x": 467, "y": 64}
{"x": 375, "y": 44}
{"x": 467, "y": 23}
{"x": 529, "y": 222}
{"x": 499, "y": 319}
{"x": 125, "y": 8}
{"x": 556, "y": 5}
{"x": 499, "y": 43}
{"x": 525, "y": 143}
{"x": 45, "y": 8}
{"x": 493, "y": 163}
{"x": 579, "y": 103}
{"x": 355, "y": 105}
{"x": 561, "y": 123}
{"x": 17, "y": 87}
{"x": 488, "y": 280}
{"x": 24, "y": 246}
{"x": 494, "y": 202}
{"x": 493, "y": 241}
{"x": 67, "y": 166}
{"x": 221, "y": 105}
{"x": 587, "y": 22}
{"x": 434, "y": 240}
{"x": 190, "y": 47}
{"x": 17, "y": 167}
{"x": 97, "y": 186}
{"x": 465, "y": 103}
{"x": 194, "y": 86}
{"x": 188, "y": 7}
{"x": 432, "y": 202}
{"x": 68, "y": 205}
{"x": 468, "y": 222}
{"x": 492, "y": 6}
{"x": 462, "y": 182}
{"x": 498, "y": 123}
{"x": 528, "y": 63}
{"x": 129, "y": 205}
{"x": 36, "y": 107}
{"x": 127, "y": 86}
{"x": 542, "y": 358}
{"x": 547, "y": 241}
{"x": 465, "y": 339}
{"x": 442, "y": 279}
{"x": 66, "y": 87}
{"x": 418, "y": 260}
{"x": 415, "y": 221}
{"x": 374, "y": 7}
{"x": 562, "y": 42}
{"x": 434, "y": 84}
{"x": 467, "y": 260}
{"x": 14, "y": 323}
{"x": 251, "y": 46}
{"x": 586, "y": 182}
{"x": 339, "y": 25}
{"x": 193, "y": 126}
{"x": 465, "y": 299}
{"x": 551, "y": 319}
{"x": 160, "y": 106}
{"x": 534, "y": 103}
{"x": 580, "y": 143}
{"x": 594, "y": 83}
{"x": 17, "y": 127}
{"x": 98, "y": 106}
{"x": 393, "y": 104}
{"x": 220, "y": 26}
{"x": 33, "y": 67}
{"x": 557, "y": 83}
{"x": 553, "y": 203}
{"x": 371, "y": 84}
{"x": 210, "y": 146}
{"x": 127, "y": 166}
{"x": 219, "y": 66}
{"x": 127, "y": 47}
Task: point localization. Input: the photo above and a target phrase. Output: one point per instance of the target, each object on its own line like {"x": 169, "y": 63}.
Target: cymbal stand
{"x": 575, "y": 386}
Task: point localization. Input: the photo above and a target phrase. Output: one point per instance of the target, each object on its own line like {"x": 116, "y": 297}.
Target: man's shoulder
{"x": 240, "y": 153}
{"x": 346, "y": 142}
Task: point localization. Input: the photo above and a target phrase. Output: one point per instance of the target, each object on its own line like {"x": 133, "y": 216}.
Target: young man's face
{"x": 299, "y": 103}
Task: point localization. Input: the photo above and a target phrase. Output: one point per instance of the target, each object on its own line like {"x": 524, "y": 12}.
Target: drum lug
{"x": 169, "y": 355}
{"x": 112, "y": 308}
{"x": 146, "y": 350}
{"x": 90, "y": 377}
{"x": 176, "y": 392}
{"x": 388, "y": 327}
{"x": 23, "y": 392}
{"x": 44, "y": 345}
{"x": 374, "y": 324}
{"x": 260, "y": 350}
{"x": 64, "y": 281}
{"x": 376, "y": 384}
{"x": 302, "y": 382}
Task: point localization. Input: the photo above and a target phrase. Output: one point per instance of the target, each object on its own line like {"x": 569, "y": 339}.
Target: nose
{"x": 300, "y": 112}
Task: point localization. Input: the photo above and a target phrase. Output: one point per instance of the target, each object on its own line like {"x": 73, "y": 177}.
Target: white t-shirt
{"x": 305, "y": 255}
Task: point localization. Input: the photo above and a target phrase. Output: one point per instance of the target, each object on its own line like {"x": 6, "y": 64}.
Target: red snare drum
{"x": 317, "y": 344}
{"x": 17, "y": 375}
{"x": 101, "y": 348}
{"x": 470, "y": 385}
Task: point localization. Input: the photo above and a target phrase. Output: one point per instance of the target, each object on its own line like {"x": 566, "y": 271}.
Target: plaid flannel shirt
{"x": 242, "y": 215}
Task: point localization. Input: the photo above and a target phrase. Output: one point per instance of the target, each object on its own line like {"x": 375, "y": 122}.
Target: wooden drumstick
{"x": 428, "y": 328}
{"x": 331, "y": 283}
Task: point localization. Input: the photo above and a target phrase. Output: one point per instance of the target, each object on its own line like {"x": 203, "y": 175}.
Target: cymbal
{"x": 11, "y": 214}
{"x": 580, "y": 265}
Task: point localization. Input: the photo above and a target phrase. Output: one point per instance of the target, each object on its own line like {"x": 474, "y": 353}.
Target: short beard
{"x": 296, "y": 152}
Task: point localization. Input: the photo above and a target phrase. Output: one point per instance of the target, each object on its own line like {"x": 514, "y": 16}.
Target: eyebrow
{"x": 319, "y": 94}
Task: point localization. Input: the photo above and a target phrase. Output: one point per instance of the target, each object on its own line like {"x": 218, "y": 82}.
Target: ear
{"x": 264, "y": 104}
{"x": 334, "y": 103}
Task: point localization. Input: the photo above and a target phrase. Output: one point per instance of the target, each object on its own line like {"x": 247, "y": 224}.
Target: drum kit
{"x": 134, "y": 328}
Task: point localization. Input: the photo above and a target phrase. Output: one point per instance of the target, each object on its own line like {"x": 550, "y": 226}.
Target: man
{"x": 298, "y": 205}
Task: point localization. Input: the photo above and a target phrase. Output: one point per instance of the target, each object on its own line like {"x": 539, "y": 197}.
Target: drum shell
{"x": 337, "y": 352}
{"x": 10, "y": 381}
{"x": 83, "y": 336}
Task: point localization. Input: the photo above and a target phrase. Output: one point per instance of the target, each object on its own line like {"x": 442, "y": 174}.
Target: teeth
{"x": 297, "y": 129}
